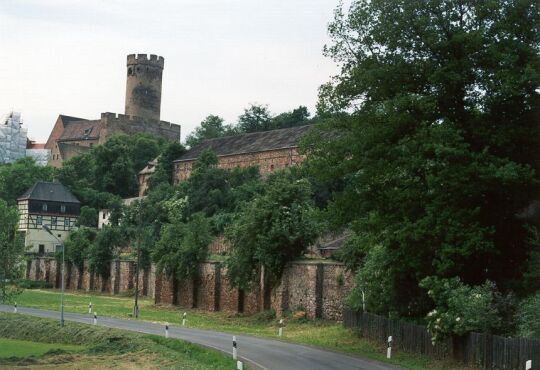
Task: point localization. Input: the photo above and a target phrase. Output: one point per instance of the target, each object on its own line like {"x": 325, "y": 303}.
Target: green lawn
{"x": 326, "y": 334}
{"x": 24, "y": 348}
{"x": 27, "y": 341}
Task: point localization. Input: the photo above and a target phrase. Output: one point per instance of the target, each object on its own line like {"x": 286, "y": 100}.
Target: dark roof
{"x": 68, "y": 119}
{"x": 81, "y": 130}
{"x": 49, "y": 191}
{"x": 249, "y": 143}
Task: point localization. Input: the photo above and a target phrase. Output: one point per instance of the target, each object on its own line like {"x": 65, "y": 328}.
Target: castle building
{"x": 50, "y": 204}
{"x": 269, "y": 150}
{"x": 72, "y": 136}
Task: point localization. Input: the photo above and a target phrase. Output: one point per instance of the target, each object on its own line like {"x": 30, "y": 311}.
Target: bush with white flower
{"x": 460, "y": 308}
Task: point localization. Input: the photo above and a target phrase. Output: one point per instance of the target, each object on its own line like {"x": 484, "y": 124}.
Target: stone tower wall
{"x": 112, "y": 124}
{"x": 143, "y": 86}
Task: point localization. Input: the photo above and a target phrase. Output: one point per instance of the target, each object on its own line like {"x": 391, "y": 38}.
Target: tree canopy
{"x": 18, "y": 177}
{"x": 434, "y": 140}
{"x": 11, "y": 252}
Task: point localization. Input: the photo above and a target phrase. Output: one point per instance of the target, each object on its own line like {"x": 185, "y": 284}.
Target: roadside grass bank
{"x": 89, "y": 347}
{"x": 325, "y": 334}
{"x": 24, "y": 348}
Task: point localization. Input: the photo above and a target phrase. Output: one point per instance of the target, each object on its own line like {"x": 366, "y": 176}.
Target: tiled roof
{"x": 49, "y": 191}
{"x": 249, "y": 143}
{"x": 81, "y": 130}
{"x": 68, "y": 119}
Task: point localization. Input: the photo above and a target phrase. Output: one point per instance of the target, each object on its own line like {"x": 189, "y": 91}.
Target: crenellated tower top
{"x": 143, "y": 86}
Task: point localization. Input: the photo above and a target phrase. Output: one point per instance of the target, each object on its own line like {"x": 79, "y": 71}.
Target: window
{"x": 41, "y": 249}
{"x": 66, "y": 222}
{"x": 44, "y": 207}
{"x": 63, "y": 208}
{"x": 53, "y": 221}
{"x": 39, "y": 220}
{"x": 58, "y": 248}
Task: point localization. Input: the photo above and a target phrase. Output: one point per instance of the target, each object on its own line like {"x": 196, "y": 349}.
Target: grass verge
{"x": 326, "y": 334}
{"x": 24, "y": 348}
{"x": 85, "y": 346}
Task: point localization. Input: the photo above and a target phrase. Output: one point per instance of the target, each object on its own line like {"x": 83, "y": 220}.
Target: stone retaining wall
{"x": 316, "y": 287}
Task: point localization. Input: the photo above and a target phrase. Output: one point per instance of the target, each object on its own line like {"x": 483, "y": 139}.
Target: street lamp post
{"x": 136, "y": 305}
{"x": 46, "y": 228}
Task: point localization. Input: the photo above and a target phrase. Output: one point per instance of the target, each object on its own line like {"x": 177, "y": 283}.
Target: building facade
{"x": 50, "y": 204}
{"x": 268, "y": 150}
{"x": 72, "y": 136}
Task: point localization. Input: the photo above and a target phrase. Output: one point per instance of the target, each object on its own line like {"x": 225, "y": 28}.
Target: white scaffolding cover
{"x": 12, "y": 138}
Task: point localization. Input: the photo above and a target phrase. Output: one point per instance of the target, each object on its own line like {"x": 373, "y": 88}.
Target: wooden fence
{"x": 479, "y": 351}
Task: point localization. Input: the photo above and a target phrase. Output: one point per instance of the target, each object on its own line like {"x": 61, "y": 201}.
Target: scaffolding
{"x": 12, "y": 138}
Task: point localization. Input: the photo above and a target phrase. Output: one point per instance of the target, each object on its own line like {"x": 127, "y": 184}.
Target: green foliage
{"x": 79, "y": 244}
{"x": 531, "y": 277}
{"x": 104, "y": 248}
{"x": 297, "y": 117}
{"x": 165, "y": 168}
{"x": 34, "y": 284}
{"x": 374, "y": 283}
{"x": 88, "y": 217}
{"x": 255, "y": 118}
{"x": 460, "y": 308}
{"x": 438, "y": 153}
{"x": 211, "y": 127}
{"x": 18, "y": 177}
{"x": 529, "y": 317}
{"x": 182, "y": 247}
{"x": 109, "y": 170}
{"x": 271, "y": 229}
{"x": 11, "y": 252}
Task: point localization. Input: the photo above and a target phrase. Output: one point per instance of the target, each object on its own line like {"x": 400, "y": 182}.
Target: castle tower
{"x": 143, "y": 87}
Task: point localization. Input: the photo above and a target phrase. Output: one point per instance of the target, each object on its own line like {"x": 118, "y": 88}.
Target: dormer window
{"x": 44, "y": 207}
{"x": 87, "y": 131}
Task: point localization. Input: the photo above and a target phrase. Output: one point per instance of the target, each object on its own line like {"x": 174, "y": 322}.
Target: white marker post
{"x": 389, "y": 350}
{"x": 280, "y": 331}
{"x": 166, "y": 330}
{"x": 15, "y": 308}
{"x": 95, "y": 318}
{"x": 184, "y": 319}
{"x": 234, "y": 349}
{"x": 239, "y": 365}
{"x": 528, "y": 365}
{"x": 90, "y": 307}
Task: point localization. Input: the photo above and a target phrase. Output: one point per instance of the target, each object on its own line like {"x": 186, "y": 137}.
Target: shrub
{"x": 460, "y": 308}
{"x": 528, "y": 317}
{"x": 33, "y": 284}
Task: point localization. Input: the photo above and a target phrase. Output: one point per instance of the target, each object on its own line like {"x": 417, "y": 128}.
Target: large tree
{"x": 11, "y": 252}
{"x": 438, "y": 155}
{"x": 255, "y": 118}
{"x": 211, "y": 127}
{"x": 17, "y": 177}
{"x": 271, "y": 229}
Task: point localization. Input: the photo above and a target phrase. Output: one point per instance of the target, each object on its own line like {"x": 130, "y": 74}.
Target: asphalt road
{"x": 257, "y": 352}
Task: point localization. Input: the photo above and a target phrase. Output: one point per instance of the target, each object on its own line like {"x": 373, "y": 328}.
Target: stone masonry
{"x": 318, "y": 288}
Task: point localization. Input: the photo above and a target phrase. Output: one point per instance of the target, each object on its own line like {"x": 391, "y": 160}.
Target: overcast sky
{"x": 69, "y": 56}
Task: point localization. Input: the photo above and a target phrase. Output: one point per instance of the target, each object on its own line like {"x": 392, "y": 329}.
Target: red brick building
{"x": 269, "y": 150}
